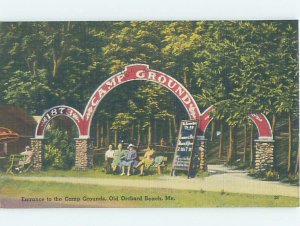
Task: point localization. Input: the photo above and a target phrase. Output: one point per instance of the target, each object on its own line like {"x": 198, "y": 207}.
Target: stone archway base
{"x": 264, "y": 155}
{"x": 83, "y": 153}
{"x": 37, "y": 146}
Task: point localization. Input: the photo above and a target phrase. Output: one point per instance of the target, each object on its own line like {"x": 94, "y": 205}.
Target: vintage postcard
{"x": 149, "y": 114}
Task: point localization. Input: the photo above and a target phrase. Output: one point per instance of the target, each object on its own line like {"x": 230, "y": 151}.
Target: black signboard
{"x": 185, "y": 146}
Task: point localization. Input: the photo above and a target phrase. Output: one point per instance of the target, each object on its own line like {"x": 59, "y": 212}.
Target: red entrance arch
{"x": 260, "y": 120}
{"x": 58, "y": 111}
{"x": 84, "y": 157}
{"x": 142, "y": 72}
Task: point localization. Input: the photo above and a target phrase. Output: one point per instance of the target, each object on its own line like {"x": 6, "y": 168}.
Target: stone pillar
{"x": 264, "y": 155}
{"x": 83, "y": 153}
{"x": 37, "y": 145}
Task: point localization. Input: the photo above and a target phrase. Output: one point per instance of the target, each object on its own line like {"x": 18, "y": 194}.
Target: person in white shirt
{"x": 109, "y": 157}
{"x": 28, "y": 156}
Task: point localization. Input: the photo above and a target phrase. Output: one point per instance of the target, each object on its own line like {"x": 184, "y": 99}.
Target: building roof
{"x": 7, "y": 135}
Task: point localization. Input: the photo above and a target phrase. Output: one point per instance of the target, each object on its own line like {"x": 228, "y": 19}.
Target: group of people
{"x": 119, "y": 159}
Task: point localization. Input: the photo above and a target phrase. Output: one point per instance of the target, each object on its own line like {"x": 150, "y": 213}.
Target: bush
{"x": 272, "y": 175}
{"x": 291, "y": 179}
{"x": 60, "y": 150}
{"x": 269, "y": 175}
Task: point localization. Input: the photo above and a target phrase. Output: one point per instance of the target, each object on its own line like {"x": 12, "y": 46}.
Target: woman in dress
{"x": 147, "y": 161}
{"x": 119, "y": 155}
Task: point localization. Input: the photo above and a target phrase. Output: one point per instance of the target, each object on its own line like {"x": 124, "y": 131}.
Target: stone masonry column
{"x": 202, "y": 154}
{"x": 264, "y": 155}
{"x": 37, "y": 146}
{"x": 83, "y": 153}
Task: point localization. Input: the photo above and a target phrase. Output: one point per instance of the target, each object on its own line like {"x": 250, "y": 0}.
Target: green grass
{"x": 97, "y": 172}
{"x": 91, "y": 173}
{"x": 182, "y": 198}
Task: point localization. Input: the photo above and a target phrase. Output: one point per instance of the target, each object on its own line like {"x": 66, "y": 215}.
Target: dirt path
{"x": 222, "y": 178}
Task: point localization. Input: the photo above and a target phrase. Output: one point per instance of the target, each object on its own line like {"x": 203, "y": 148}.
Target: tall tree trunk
{"x": 245, "y": 142}
{"x": 290, "y": 118}
{"x": 97, "y": 134}
{"x": 132, "y": 132}
{"x": 150, "y": 133}
{"x": 139, "y": 134}
{"x": 107, "y": 132}
{"x": 116, "y": 138}
{"x": 145, "y": 137}
{"x": 221, "y": 139}
{"x": 231, "y": 149}
{"x": 175, "y": 125}
{"x": 34, "y": 68}
{"x": 154, "y": 131}
{"x": 58, "y": 59}
{"x": 102, "y": 135}
{"x": 251, "y": 145}
{"x": 297, "y": 162}
{"x": 273, "y": 123}
{"x": 185, "y": 79}
{"x": 170, "y": 132}
{"x": 212, "y": 132}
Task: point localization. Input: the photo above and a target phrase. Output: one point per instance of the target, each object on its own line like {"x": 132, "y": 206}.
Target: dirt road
{"x": 221, "y": 178}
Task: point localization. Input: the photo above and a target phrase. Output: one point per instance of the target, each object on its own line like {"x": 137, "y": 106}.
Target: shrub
{"x": 60, "y": 150}
{"x": 272, "y": 175}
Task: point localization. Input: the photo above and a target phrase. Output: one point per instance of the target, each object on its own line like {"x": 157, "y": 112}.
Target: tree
{"x": 56, "y": 54}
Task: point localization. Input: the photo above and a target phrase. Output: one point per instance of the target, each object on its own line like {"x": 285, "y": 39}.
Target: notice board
{"x": 185, "y": 146}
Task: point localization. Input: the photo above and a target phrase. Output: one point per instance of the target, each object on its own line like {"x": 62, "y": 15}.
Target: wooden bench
{"x": 161, "y": 167}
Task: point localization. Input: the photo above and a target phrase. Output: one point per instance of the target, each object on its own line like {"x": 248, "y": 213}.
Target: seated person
{"x": 129, "y": 160}
{"x": 28, "y": 154}
{"x": 147, "y": 161}
{"x": 109, "y": 157}
{"x": 119, "y": 155}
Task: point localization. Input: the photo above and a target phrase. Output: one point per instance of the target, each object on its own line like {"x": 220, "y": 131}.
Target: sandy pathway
{"x": 222, "y": 178}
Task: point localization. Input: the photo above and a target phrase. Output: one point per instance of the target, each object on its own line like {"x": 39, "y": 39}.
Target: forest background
{"x": 240, "y": 67}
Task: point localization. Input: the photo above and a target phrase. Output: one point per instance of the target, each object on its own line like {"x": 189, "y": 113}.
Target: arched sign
{"x": 263, "y": 126}
{"x": 261, "y": 122}
{"x": 141, "y": 72}
{"x": 205, "y": 119}
{"x": 58, "y": 111}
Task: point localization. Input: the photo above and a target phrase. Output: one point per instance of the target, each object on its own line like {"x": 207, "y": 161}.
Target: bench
{"x": 14, "y": 162}
{"x": 161, "y": 167}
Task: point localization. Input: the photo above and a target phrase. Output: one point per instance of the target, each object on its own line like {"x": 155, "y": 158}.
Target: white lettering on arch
{"x": 170, "y": 84}
{"x": 140, "y": 74}
{"x": 161, "y": 79}
{"x": 151, "y": 75}
{"x": 179, "y": 90}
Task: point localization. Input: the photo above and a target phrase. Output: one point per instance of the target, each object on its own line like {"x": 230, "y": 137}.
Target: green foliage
{"x": 122, "y": 121}
{"x": 240, "y": 67}
{"x": 60, "y": 150}
{"x": 270, "y": 175}
{"x": 29, "y": 90}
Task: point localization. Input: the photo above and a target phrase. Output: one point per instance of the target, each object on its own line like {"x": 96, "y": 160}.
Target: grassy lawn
{"x": 91, "y": 173}
{"x": 177, "y": 198}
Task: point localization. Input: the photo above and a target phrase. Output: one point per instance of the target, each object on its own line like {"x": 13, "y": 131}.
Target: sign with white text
{"x": 185, "y": 146}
